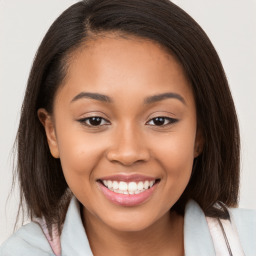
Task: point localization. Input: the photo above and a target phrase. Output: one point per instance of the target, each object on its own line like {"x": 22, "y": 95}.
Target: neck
{"x": 164, "y": 237}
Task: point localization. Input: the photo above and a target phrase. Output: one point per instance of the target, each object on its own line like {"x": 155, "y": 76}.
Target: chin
{"x": 128, "y": 227}
{"x": 130, "y": 223}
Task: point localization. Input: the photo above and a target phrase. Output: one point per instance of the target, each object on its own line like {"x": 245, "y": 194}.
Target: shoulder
{"x": 28, "y": 240}
{"x": 198, "y": 233}
{"x": 243, "y": 215}
{"x": 245, "y": 222}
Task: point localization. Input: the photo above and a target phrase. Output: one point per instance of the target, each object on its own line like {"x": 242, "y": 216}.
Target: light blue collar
{"x": 197, "y": 238}
{"x": 73, "y": 237}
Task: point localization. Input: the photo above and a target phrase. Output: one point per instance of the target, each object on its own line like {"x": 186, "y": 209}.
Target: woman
{"x": 128, "y": 140}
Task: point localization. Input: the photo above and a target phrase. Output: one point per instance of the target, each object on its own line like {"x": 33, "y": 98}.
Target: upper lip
{"x": 128, "y": 178}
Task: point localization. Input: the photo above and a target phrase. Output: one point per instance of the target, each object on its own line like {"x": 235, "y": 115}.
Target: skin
{"x": 127, "y": 141}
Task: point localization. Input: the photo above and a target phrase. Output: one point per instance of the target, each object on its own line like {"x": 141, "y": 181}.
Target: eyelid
{"x": 171, "y": 119}
{"x": 83, "y": 121}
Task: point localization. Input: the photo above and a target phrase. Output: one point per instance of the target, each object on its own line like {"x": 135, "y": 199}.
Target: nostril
{"x": 128, "y": 151}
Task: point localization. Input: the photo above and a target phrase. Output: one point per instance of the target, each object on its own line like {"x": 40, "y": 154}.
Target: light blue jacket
{"x": 30, "y": 240}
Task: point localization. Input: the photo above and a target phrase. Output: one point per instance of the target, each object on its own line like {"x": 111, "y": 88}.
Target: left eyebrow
{"x": 148, "y": 100}
{"x": 163, "y": 96}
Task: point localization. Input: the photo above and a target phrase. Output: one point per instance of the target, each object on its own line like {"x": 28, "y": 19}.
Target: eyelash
{"x": 169, "y": 119}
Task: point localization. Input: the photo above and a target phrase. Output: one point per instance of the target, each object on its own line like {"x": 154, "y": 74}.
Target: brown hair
{"x": 215, "y": 176}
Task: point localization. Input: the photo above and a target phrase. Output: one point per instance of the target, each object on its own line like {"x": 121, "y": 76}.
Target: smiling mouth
{"x": 128, "y": 188}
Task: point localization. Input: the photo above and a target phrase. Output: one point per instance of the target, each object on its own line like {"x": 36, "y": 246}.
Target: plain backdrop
{"x": 230, "y": 24}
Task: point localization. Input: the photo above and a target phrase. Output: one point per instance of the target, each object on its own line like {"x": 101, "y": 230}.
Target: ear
{"x": 199, "y": 143}
{"x": 47, "y": 121}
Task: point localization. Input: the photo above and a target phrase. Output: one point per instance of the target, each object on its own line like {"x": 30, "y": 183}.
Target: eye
{"x": 162, "y": 121}
{"x": 94, "y": 121}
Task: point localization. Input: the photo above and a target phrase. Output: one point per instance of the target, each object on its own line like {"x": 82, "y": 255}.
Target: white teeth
{"x": 115, "y": 185}
{"x": 123, "y": 186}
{"x": 140, "y": 185}
{"x": 132, "y": 186}
{"x": 146, "y": 184}
{"x": 109, "y": 184}
{"x": 126, "y": 188}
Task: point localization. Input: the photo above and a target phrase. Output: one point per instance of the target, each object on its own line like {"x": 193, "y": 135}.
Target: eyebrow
{"x": 148, "y": 100}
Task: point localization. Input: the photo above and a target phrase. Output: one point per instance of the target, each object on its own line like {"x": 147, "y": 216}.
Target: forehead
{"x": 131, "y": 66}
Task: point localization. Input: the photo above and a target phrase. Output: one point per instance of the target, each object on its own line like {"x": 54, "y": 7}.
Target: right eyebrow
{"x": 94, "y": 96}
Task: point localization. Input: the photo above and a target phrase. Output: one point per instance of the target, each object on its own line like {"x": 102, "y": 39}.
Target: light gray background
{"x": 230, "y": 24}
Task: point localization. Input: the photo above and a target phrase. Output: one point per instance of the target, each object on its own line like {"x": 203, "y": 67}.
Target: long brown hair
{"x": 215, "y": 176}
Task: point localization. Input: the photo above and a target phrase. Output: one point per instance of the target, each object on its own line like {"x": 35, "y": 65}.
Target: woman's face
{"x": 124, "y": 116}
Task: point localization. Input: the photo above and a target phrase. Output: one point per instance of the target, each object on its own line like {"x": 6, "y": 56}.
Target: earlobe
{"x": 199, "y": 143}
{"x": 47, "y": 121}
{"x": 197, "y": 151}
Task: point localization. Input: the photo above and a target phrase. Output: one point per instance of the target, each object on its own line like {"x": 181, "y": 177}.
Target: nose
{"x": 128, "y": 147}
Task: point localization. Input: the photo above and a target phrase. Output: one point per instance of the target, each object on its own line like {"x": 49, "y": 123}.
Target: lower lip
{"x": 127, "y": 200}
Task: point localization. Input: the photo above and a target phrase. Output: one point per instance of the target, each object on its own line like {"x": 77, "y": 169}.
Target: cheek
{"x": 176, "y": 155}
{"x": 80, "y": 153}
{"x": 177, "y": 147}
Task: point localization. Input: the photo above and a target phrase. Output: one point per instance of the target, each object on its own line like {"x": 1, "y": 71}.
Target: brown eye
{"x": 162, "y": 121}
{"x": 93, "y": 121}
